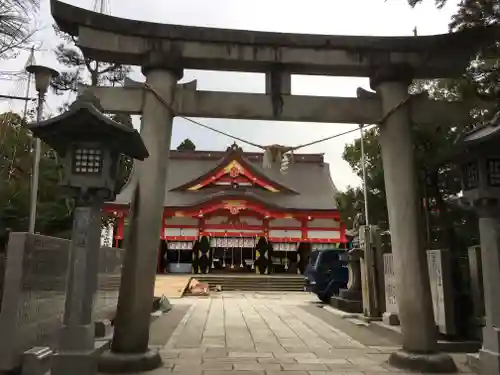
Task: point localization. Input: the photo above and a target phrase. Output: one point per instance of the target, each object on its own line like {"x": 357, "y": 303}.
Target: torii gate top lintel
{"x": 126, "y": 41}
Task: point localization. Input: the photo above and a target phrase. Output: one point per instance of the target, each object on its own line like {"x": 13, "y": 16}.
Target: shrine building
{"x": 224, "y": 212}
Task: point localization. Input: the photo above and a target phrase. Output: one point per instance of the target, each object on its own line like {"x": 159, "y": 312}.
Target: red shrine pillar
{"x": 120, "y": 227}
{"x": 161, "y": 246}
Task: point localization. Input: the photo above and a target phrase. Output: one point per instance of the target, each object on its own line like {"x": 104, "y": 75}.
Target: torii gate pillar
{"x": 129, "y": 348}
{"x": 419, "y": 335}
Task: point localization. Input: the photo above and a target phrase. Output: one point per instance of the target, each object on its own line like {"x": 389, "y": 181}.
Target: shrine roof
{"x": 307, "y": 185}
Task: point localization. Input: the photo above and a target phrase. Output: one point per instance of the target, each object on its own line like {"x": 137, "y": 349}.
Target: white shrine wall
{"x": 323, "y": 223}
{"x": 216, "y": 220}
{"x": 178, "y": 220}
{"x": 289, "y": 223}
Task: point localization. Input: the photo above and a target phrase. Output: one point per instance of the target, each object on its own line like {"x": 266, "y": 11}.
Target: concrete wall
{"x": 34, "y": 293}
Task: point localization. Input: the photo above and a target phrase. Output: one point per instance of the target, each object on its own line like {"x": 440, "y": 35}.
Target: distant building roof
{"x": 307, "y": 185}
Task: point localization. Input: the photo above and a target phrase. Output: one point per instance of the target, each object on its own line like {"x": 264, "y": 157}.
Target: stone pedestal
{"x": 76, "y": 344}
{"x": 122, "y": 363}
{"x": 353, "y": 291}
{"x": 129, "y": 347}
{"x": 489, "y": 355}
{"x": 413, "y": 289}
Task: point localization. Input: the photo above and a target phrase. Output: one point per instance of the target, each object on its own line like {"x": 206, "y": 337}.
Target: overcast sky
{"x": 347, "y": 17}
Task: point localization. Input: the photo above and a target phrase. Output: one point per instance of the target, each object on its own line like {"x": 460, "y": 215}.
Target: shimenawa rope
{"x": 278, "y": 149}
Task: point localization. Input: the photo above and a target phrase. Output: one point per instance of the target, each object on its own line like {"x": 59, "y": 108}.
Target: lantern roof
{"x": 84, "y": 121}
{"x": 484, "y": 133}
{"x": 480, "y": 136}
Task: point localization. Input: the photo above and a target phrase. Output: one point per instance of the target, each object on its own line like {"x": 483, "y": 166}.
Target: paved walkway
{"x": 264, "y": 334}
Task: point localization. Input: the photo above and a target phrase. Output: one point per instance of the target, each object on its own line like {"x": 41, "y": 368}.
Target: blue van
{"x": 326, "y": 274}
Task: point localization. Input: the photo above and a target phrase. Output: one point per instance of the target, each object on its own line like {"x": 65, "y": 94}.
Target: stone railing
{"x": 439, "y": 266}
{"x": 34, "y": 293}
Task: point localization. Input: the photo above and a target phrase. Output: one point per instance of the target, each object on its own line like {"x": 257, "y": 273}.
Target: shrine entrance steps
{"x": 253, "y": 282}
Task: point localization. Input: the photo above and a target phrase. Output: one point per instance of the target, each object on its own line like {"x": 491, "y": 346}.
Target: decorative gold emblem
{"x": 234, "y": 207}
{"x": 234, "y": 172}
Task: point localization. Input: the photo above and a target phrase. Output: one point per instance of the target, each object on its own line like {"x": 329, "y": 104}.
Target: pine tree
{"x": 16, "y": 31}
{"x": 53, "y": 209}
{"x": 82, "y": 70}
{"x": 483, "y": 74}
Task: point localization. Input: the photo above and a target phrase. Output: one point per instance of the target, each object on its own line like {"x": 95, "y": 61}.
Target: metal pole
{"x": 36, "y": 168}
{"x": 365, "y": 191}
{"x": 26, "y": 99}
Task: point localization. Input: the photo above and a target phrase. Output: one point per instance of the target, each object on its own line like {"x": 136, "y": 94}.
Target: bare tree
{"x": 16, "y": 27}
{"x": 80, "y": 69}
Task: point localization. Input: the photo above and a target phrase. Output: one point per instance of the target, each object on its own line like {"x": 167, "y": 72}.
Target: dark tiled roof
{"x": 307, "y": 175}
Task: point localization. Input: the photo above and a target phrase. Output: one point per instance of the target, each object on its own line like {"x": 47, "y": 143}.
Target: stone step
{"x": 212, "y": 284}
{"x": 473, "y": 362}
{"x": 247, "y": 280}
{"x": 254, "y": 282}
{"x": 269, "y": 282}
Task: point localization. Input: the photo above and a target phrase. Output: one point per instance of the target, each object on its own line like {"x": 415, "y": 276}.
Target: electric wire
{"x": 285, "y": 148}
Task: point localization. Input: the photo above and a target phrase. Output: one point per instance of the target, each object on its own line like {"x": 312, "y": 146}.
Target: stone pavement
{"x": 264, "y": 334}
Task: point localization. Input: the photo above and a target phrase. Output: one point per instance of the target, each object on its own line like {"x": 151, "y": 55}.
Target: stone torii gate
{"x": 163, "y": 51}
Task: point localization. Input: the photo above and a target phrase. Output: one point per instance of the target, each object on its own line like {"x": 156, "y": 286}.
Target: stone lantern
{"x": 479, "y": 159}
{"x": 90, "y": 145}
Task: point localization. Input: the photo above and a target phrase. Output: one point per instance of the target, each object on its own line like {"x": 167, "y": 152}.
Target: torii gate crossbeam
{"x": 190, "y": 102}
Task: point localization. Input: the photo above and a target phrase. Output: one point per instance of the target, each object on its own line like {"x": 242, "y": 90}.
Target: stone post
{"x": 489, "y": 223}
{"x": 76, "y": 346}
{"x": 129, "y": 348}
{"x": 390, "y": 315}
{"x": 476, "y": 288}
{"x": 419, "y": 336}
{"x": 370, "y": 272}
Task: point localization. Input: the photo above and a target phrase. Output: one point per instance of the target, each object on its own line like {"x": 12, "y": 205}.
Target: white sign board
{"x": 439, "y": 264}
{"x": 391, "y": 304}
{"x": 441, "y": 283}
